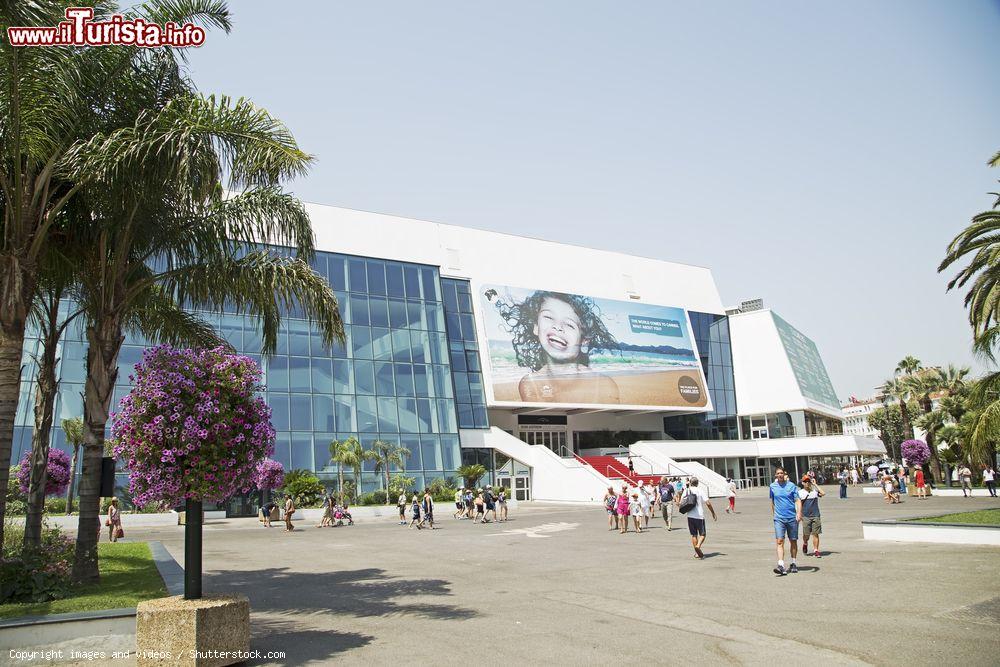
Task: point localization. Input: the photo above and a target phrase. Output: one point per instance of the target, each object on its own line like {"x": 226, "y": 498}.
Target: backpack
{"x": 688, "y": 502}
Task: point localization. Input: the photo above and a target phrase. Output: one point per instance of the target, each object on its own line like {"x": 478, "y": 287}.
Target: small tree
{"x": 193, "y": 428}
{"x": 400, "y": 483}
{"x": 386, "y": 454}
{"x": 352, "y": 454}
{"x": 73, "y": 428}
{"x": 303, "y": 486}
{"x": 471, "y": 474}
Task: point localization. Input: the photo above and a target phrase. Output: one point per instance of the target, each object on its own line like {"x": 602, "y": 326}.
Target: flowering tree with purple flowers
{"x": 270, "y": 475}
{"x": 916, "y": 452}
{"x": 194, "y": 428}
{"x": 56, "y": 473}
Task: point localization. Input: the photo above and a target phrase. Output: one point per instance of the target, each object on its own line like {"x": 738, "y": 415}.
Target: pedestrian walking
{"x": 610, "y": 507}
{"x": 621, "y": 508}
{"x": 469, "y": 504}
{"x": 631, "y": 467}
{"x": 696, "y": 516}
{"x": 289, "y": 511}
{"x": 644, "y": 506}
{"x": 731, "y": 495}
{"x": 667, "y": 502}
{"x": 855, "y": 477}
{"x": 460, "y": 503}
{"x": 114, "y": 521}
{"x": 635, "y": 509}
{"x": 490, "y": 500}
{"x": 786, "y": 510}
{"x": 842, "y": 477}
{"x": 415, "y": 513}
{"x": 989, "y": 480}
{"x": 428, "y": 508}
{"x": 901, "y": 476}
{"x": 401, "y": 506}
{"x": 965, "y": 475}
{"x": 918, "y": 482}
{"x": 480, "y": 507}
{"x": 809, "y": 495}
{"x": 502, "y": 503}
{"x": 326, "y": 521}
{"x": 266, "y": 512}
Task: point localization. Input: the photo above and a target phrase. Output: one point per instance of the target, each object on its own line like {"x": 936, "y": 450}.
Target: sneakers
{"x": 780, "y": 570}
{"x": 805, "y": 548}
{"x": 816, "y": 554}
{"x": 793, "y": 568}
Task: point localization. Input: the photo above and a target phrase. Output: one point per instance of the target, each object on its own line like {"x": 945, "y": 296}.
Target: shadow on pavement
{"x": 300, "y": 646}
{"x": 366, "y": 592}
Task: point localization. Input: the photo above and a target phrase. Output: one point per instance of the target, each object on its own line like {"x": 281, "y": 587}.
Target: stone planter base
{"x": 172, "y": 631}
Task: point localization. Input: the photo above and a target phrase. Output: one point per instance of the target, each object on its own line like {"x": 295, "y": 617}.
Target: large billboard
{"x": 807, "y": 365}
{"x": 550, "y": 348}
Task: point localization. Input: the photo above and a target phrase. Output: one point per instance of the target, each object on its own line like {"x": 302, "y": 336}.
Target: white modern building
{"x": 856, "y": 412}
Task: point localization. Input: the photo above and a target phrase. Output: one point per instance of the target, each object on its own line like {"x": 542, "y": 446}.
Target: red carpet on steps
{"x": 612, "y": 468}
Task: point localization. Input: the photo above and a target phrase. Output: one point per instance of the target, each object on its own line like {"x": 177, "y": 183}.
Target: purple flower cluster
{"x": 56, "y": 472}
{"x": 193, "y": 426}
{"x": 270, "y": 474}
{"x": 916, "y": 452}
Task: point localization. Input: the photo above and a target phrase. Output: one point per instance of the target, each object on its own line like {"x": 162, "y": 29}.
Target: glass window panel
{"x": 339, "y": 350}
{"x": 439, "y": 347}
{"x": 343, "y": 377}
{"x": 446, "y": 416}
{"x": 430, "y": 453}
{"x": 394, "y": 280}
{"x": 359, "y": 310}
{"x": 321, "y": 451}
{"x": 468, "y": 327}
{"x": 337, "y": 268}
{"x": 421, "y": 387}
{"x": 381, "y": 344}
{"x": 384, "y": 383}
{"x": 356, "y": 273}
{"x": 454, "y": 324}
{"x": 302, "y": 451}
{"x": 282, "y": 453}
{"x": 451, "y": 452}
{"x": 472, "y": 360}
{"x": 367, "y": 420}
{"x": 411, "y": 278}
{"x": 428, "y": 277}
{"x": 398, "y": 319}
{"x": 323, "y": 415}
{"x": 298, "y": 374}
{"x": 74, "y": 363}
{"x": 464, "y": 301}
{"x": 322, "y": 375}
{"x": 232, "y": 330}
{"x": 465, "y": 417}
{"x": 343, "y": 305}
{"x": 376, "y": 277}
{"x": 426, "y": 416}
{"x": 388, "y": 422}
{"x": 450, "y": 293}
{"x": 412, "y": 443}
{"x": 415, "y": 315}
{"x": 70, "y": 401}
{"x": 420, "y": 347}
{"x": 361, "y": 342}
{"x": 458, "y": 361}
{"x": 253, "y": 339}
{"x": 298, "y": 337}
{"x": 301, "y": 412}
{"x": 364, "y": 377}
{"x": 482, "y": 417}
{"x": 282, "y": 341}
{"x": 379, "y": 308}
{"x": 476, "y": 391}
{"x": 462, "y": 394}
{"x": 435, "y": 316}
{"x": 442, "y": 381}
{"x": 279, "y": 411}
{"x": 401, "y": 345}
{"x": 408, "y": 422}
{"x": 277, "y": 373}
{"x": 343, "y": 407}
{"x": 404, "y": 380}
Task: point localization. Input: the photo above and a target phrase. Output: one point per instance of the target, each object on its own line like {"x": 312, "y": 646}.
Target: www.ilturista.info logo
{"x": 79, "y": 29}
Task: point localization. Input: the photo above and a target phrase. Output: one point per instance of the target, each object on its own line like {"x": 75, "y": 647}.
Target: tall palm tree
{"x": 387, "y": 454}
{"x": 74, "y": 430}
{"x": 352, "y": 454}
{"x": 896, "y": 388}
{"x": 908, "y": 365}
{"x": 922, "y": 386}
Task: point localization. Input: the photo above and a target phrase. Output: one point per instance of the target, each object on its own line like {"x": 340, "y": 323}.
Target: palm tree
{"x": 922, "y": 386}
{"x": 73, "y": 428}
{"x": 352, "y": 454}
{"x": 908, "y": 365}
{"x": 896, "y": 388}
{"x": 386, "y": 454}
{"x": 471, "y": 474}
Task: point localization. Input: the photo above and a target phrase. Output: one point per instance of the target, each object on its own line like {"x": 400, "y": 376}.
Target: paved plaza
{"x": 554, "y": 585}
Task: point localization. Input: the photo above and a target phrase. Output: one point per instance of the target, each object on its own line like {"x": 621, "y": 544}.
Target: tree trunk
{"x": 387, "y": 484}
{"x": 72, "y": 480}
{"x": 905, "y": 418}
{"x": 935, "y": 459}
{"x": 104, "y": 341}
{"x": 340, "y": 481}
{"x": 45, "y": 396}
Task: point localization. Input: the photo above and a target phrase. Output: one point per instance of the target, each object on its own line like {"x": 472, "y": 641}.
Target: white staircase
{"x": 661, "y": 463}
{"x": 553, "y": 477}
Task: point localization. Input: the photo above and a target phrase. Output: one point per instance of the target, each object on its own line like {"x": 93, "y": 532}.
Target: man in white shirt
{"x": 696, "y": 516}
{"x": 989, "y": 480}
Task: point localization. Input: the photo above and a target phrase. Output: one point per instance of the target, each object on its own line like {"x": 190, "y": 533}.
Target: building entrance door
{"x": 553, "y": 439}
{"x": 758, "y": 474}
{"x": 522, "y": 488}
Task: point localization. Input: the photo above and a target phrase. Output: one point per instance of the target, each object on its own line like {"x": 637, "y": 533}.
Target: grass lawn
{"x": 983, "y": 517}
{"x": 128, "y": 576}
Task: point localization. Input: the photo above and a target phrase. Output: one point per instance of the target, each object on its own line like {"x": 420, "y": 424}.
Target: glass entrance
{"x": 554, "y": 440}
{"x": 522, "y": 488}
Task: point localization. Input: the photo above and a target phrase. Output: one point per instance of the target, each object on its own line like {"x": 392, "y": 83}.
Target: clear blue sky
{"x": 818, "y": 155}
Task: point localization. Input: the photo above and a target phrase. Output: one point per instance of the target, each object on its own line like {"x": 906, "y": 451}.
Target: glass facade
{"x": 711, "y": 333}
{"x": 470, "y": 397}
{"x": 391, "y": 380}
{"x": 792, "y": 424}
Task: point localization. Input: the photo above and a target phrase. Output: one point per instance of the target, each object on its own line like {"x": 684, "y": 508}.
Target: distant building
{"x": 856, "y": 416}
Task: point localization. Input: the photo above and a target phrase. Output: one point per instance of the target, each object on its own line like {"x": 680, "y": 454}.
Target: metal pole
{"x": 192, "y": 550}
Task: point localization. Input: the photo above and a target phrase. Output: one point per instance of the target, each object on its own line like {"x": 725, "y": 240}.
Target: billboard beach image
{"x": 556, "y": 348}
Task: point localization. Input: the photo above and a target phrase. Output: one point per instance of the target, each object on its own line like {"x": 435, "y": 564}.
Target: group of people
{"x": 421, "y": 510}
{"x": 334, "y": 512}
{"x": 791, "y": 506}
{"x": 478, "y": 504}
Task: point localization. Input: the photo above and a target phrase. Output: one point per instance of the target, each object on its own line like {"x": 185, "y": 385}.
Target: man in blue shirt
{"x": 786, "y": 508}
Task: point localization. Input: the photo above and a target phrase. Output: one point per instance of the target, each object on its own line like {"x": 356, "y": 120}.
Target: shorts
{"x": 490, "y": 507}
{"x": 611, "y": 510}
{"x": 811, "y": 525}
{"x": 459, "y": 506}
{"x": 786, "y": 528}
{"x": 696, "y": 527}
